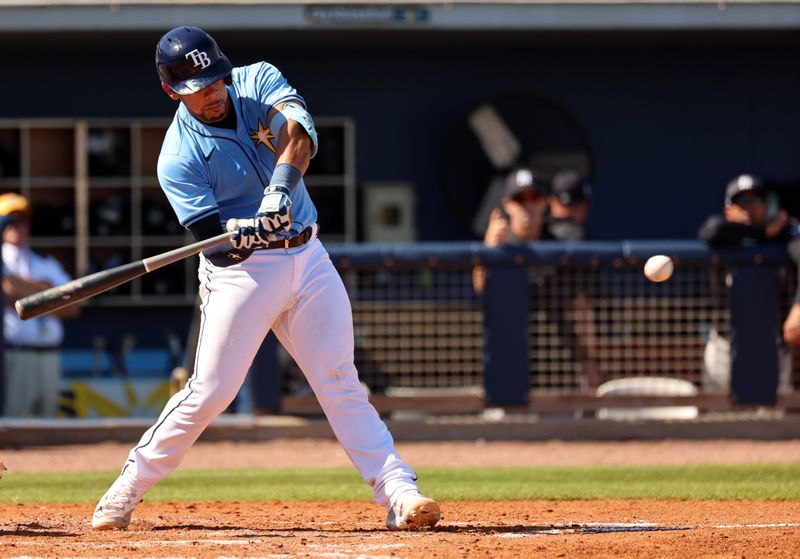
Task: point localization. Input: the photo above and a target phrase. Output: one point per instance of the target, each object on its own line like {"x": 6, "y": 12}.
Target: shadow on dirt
{"x": 36, "y": 530}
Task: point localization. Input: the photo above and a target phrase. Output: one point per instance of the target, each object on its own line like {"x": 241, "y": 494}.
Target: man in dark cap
{"x": 750, "y": 215}
{"x": 570, "y": 196}
{"x": 568, "y": 202}
{"x": 523, "y": 218}
{"x": 519, "y": 219}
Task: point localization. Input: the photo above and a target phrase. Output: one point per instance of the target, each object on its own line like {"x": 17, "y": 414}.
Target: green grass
{"x": 752, "y": 482}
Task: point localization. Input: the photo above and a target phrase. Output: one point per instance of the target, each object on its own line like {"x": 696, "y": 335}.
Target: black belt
{"x": 298, "y": 240}
{"x": 34, "y": 348}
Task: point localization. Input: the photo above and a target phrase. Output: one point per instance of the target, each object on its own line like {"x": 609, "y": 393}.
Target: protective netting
{"x": 423, "y": 328}
{"x": 587, "y": 326}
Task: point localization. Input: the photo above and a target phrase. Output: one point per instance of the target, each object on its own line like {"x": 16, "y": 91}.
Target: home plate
{"x": 593, "y": 528}
{"x": 613, "y": 527}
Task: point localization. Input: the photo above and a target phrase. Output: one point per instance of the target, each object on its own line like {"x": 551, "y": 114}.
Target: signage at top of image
{"x": 366, "y": 15}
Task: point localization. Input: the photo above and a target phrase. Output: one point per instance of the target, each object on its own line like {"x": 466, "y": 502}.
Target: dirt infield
{"x": 521, "y": 529}
{"x": 350, "y": 530}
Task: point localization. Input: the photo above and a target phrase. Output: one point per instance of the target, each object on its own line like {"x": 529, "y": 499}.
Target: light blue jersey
{"x": 204, "y": 169}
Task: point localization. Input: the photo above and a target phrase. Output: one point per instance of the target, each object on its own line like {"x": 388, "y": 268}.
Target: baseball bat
{"x": 80, "y": 289}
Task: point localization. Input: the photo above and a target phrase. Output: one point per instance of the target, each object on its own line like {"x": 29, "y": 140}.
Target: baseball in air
{"x": 658, "y": 268}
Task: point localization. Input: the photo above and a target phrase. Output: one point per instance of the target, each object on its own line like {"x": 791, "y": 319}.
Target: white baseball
{"x": 658, "y": 268}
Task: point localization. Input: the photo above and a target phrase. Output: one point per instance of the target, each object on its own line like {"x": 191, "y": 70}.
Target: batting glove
{"x": 274, "y": 214}
{"x": 243, "y": 232}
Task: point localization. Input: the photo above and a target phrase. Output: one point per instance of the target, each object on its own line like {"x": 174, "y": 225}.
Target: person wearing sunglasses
{"x": 519, "y": 219}
{"x": 522, "y": 218}
{"x": 568, "y": 202}
{"x": 751, "y": 215}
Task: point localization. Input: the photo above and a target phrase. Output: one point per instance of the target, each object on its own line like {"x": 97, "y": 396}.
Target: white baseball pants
{"x": 298, "y": 293}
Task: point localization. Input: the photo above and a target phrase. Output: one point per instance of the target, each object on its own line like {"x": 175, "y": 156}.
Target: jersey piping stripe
{"x": 188, "y": 384}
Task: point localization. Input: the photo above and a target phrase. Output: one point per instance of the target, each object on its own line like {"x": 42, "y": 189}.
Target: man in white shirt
{"x": 32, "y": 359}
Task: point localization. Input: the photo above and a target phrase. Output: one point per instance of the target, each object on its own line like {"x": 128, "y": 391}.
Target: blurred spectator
{"x": 750, "y": 215}
{"x": 523, "y": 218}
{"x": 32, "y": 359}
{"x": 569, "y": 199}
{"x": 519, "y": 219}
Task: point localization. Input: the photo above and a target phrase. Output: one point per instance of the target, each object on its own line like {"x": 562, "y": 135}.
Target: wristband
{"x": 285, "y": 176}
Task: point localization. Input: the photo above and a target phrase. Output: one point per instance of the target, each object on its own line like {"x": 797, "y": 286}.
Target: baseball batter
{"x": 233, "y": 159}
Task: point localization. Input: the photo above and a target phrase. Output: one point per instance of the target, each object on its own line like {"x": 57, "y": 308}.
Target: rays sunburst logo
{"x": 262, "y": 136}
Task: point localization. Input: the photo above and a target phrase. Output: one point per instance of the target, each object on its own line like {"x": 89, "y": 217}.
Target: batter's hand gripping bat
{"x": 80, "y": 289}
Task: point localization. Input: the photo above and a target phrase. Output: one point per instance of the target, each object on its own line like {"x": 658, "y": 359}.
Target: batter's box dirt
{"x": 350, "y": 530}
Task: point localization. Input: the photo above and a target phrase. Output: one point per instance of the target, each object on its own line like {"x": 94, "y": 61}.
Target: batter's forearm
{"x": 294, "y": 146}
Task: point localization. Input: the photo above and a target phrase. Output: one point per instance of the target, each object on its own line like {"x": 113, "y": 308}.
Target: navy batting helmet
{"x": 188, "y": 59}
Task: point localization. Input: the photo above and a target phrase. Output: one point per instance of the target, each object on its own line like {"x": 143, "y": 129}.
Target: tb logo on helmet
{"x": 198, "y": 58}
{"x": 188, "y": 59}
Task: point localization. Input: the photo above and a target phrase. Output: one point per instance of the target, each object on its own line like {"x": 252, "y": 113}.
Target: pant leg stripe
{"x": 189, "y": 383}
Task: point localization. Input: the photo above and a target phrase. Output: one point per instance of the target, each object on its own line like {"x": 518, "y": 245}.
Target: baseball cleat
{"x": 114, "y": 510}
{"x": 413, "y": 511}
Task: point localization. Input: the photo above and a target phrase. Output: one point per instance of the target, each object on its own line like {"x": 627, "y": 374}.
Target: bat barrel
{"x": 77, "y": 290}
